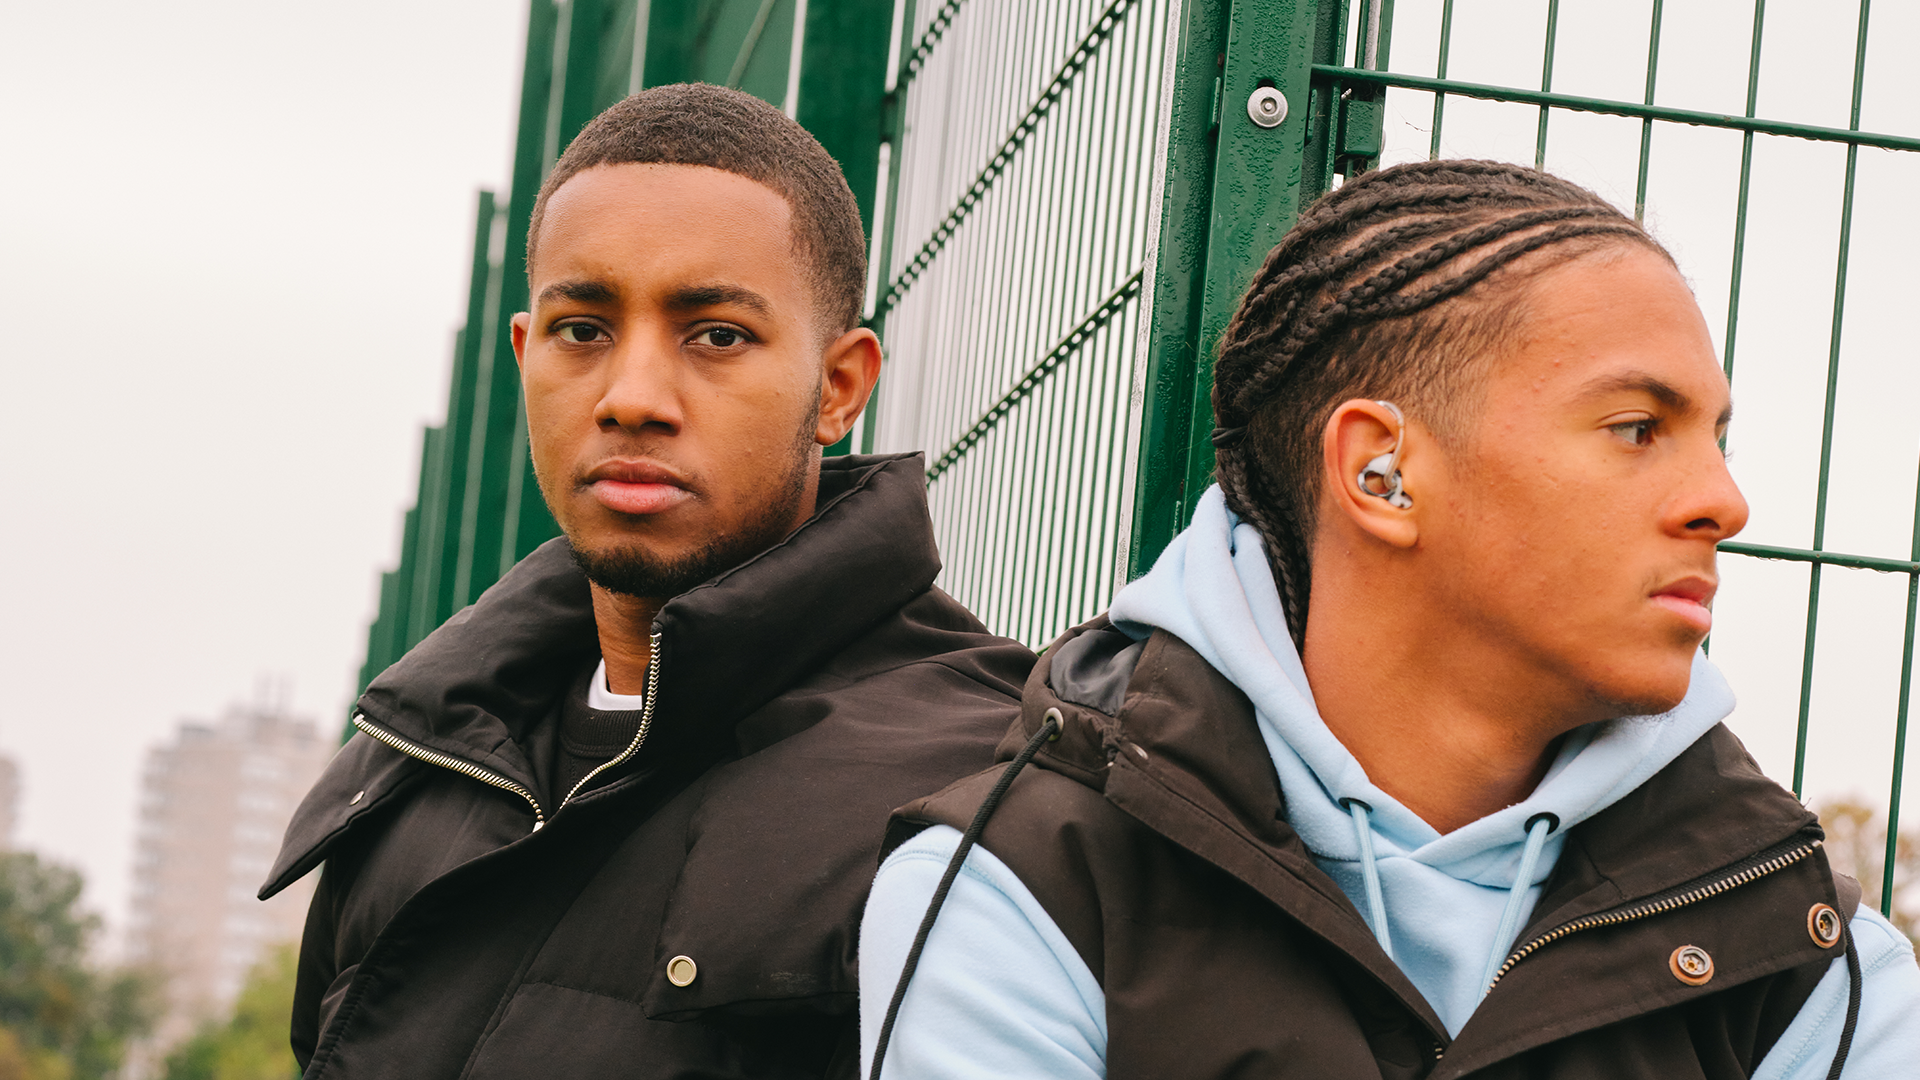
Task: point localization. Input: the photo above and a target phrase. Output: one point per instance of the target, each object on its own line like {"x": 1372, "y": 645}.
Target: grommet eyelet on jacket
{"x": 1691, "y": 965}
{"x": 681, "y": 971}
{"x": 1823, "y": 925}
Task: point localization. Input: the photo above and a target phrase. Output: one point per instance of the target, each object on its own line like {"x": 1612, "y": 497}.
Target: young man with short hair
{"x": 618, "y": 818}
{"x": 1403, "y": 759}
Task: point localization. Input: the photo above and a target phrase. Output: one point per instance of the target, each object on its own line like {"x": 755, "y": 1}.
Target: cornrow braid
{"x": 1377, "y": 292}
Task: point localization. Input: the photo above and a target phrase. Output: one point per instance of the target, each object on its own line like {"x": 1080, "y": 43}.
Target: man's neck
{"x": 1442, "y": 722}
{"x": 626, "y": 637}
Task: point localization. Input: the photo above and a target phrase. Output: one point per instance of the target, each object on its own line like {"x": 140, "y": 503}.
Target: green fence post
{"x": 429, "y": 514}
{"x": 1252, "y": 194}
{"x": 461, "y": 393}
{"x": 403, "y": 636}
{"x": 1172, "y": 360}
{"x": 497, "y": 404}
{"x": 573, "y": 100}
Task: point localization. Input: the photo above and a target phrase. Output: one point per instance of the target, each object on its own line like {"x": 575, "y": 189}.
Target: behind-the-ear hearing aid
{"x": 1386, "y": 467}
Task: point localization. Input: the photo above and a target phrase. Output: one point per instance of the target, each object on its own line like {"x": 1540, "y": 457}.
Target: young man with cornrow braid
{"x": 618, "y": 818}
{"x": 1403, "y": 760}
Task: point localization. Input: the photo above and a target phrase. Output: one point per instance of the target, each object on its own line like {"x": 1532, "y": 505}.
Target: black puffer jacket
{"x": 800, "y": 697}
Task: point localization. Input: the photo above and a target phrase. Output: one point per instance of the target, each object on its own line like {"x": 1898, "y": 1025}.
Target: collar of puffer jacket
{"x": 726, "y": 647}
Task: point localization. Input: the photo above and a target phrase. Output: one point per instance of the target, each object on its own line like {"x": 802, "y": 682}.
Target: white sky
{"x": 236, "y": 246}
{"x": 236, "y": 239}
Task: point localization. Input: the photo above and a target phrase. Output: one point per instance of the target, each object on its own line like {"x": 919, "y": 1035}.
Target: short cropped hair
{"x": 1408, "y": 284}
{"x": 702, "y": 124}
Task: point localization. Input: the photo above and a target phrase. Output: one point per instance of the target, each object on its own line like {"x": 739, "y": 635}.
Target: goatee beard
{"x": 633, "y": 571}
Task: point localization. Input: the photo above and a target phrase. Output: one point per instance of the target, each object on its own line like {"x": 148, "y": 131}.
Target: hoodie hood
{"x": 1444, "y": 894}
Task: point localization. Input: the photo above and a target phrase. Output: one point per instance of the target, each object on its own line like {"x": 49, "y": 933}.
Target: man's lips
{"x": 1688, "y": 598}
{"x": 636, "y": 487}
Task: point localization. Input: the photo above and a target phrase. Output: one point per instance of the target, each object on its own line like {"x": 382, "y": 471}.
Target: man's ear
{"x": 1357, "y": 433}
{"x": 852, "y": 366}
{"x": 521, "y": 323}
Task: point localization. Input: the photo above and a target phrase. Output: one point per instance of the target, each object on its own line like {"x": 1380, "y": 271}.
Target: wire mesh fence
{"x": 1016, "y": 251}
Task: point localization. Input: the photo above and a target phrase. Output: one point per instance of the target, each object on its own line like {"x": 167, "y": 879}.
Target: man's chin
{"x": 638, "y": 572}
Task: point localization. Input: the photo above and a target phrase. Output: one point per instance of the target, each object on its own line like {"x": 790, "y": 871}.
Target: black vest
{"x": 1152, "y": 830}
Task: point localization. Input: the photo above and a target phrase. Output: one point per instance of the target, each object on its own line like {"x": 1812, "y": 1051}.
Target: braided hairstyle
{"x": 1381, "y": 290}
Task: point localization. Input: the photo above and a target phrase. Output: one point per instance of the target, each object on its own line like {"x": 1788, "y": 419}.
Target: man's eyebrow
{"x": 1654, "y": 387}
{"x": 693, "y": 297}
{"x": 580, "y": 292}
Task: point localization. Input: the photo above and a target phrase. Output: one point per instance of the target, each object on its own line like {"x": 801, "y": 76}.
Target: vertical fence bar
{"x": 1891, "y": 862}
{"x": 1440, "y": 72}
{"x": 1746, "y": 179}
{"x": 460, "y": 407}
{"x": 1833, "y": 386}
{"x": 497, "y": 402}
{"x": 1171, "y": 361}
{"x": 1546, "y": 81}
{"x": 1646, "y": 126}
{"x": 1257, "y": 184}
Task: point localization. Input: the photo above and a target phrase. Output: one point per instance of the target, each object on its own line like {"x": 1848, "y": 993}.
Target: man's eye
{"x": 720, "y": 337}
{"x": 581, "y": 333}
{"x": 1637, "y": 432}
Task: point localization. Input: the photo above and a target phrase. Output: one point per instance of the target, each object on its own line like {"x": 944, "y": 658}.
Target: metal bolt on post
{"x": 1267, "y": 107}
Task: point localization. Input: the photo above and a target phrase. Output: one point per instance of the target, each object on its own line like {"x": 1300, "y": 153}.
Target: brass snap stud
{"x": 1823, "y": 925}
{"x": 1691, "y": 965}
{"x": 681, "y": 971}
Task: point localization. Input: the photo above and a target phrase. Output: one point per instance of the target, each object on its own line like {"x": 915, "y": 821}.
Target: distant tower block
{"x": 9, "y": 800}
{"x": 213, "y": 805}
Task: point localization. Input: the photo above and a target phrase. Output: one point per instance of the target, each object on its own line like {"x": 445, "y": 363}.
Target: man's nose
{"x": 641, "y": 388}
{"x": 1712, "y": 506}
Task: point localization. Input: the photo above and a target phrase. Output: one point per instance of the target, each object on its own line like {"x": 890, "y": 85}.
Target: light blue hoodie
{"x": 1000, "y": 992}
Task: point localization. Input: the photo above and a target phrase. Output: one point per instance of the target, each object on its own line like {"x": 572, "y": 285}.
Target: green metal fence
{"x": 1068, "y": 198}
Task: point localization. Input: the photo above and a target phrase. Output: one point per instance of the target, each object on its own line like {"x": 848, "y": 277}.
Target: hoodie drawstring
{"x": 1539, "y": 826}
{"x": 1376, "y": 904}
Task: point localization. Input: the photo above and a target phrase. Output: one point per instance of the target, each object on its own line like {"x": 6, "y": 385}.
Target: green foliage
{"x": 59, "y": 1018}
{"x": 252, "y": 1044}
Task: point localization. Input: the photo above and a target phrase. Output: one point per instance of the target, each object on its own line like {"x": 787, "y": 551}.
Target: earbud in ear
{"x": 1390, "y": 483}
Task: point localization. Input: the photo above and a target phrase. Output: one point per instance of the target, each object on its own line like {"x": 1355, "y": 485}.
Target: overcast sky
{"x": 234, "y": 240}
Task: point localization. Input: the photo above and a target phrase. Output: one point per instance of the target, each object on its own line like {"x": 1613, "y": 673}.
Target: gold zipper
{"x": 1688, "y": 895}
{"x": 487, "y": 776}
{"x": 646, "y": 720}
{"x": 447, "y": 761}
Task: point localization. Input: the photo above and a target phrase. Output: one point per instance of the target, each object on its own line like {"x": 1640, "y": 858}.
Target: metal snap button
{"x": 357, "y": 796}
{"x": 1823, "y": 925}
{"x": 681, "y": 971}
{"x": 1691, "y": 965}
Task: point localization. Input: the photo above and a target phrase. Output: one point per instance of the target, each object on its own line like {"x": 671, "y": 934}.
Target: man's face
{"x": 673, "y": 370}
{"x": 1577, "y": 523}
